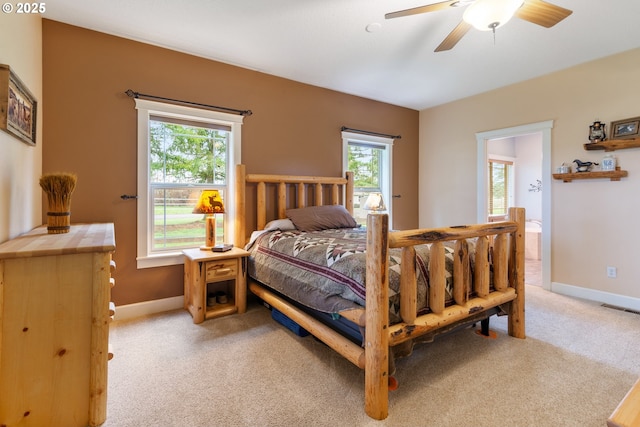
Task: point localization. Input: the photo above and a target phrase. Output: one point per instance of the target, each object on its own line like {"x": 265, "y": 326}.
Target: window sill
{"x": 160, "y": 260}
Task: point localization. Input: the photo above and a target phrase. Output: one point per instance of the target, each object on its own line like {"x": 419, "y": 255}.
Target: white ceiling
{"x": 325, "y": 42}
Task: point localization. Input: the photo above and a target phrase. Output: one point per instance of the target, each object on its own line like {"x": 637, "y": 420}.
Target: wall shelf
{"x": 614, "y": 175}
{"x": 613, "y": 144}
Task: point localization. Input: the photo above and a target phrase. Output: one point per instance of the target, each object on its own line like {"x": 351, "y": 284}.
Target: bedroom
{"x": 80, "y": 65}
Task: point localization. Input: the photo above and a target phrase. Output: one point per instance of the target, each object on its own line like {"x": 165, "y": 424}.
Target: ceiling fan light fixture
{"x": 487, "y": 15}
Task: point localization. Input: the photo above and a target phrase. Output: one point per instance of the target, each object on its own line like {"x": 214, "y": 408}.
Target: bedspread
{"x": 325, "y": 270}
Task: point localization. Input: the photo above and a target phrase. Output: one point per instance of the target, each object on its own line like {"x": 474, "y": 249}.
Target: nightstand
{"x": 207, "y": 272}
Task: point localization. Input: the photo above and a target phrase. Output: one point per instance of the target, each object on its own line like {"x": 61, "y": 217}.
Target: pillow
{"x": 316, "y": 218}
{"x": 280, "y": 224}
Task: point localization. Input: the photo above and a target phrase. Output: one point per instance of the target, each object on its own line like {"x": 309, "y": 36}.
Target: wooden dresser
{"x": 54, "y": 326}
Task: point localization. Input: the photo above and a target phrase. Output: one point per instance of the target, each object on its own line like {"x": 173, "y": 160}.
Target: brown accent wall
{"x": 90, "y": 129}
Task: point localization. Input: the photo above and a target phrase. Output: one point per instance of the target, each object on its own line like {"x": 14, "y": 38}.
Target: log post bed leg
{"x": 376, "y": 377}
{"x": 516, "y": 274}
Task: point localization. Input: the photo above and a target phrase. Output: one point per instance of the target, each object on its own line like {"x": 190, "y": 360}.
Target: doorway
{"x": 542, "y": 132}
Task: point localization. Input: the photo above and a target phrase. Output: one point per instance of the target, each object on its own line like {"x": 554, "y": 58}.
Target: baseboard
{"x": 596, "y": 295}
{"x": 131, "y": 311}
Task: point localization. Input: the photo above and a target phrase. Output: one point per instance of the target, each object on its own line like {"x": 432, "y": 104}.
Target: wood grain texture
{"x": 542, "y": 13}
{"x": 437, "y": 277}
{"x": 627, "y": 414}
{"x": 408, "y": 283}
{"x": 82, "y": 238}
{"x": 613, "y": 144}
{"x": 54, "y": 327}
{"x": 376, "y": 376}
{"x": 461, "y": 272}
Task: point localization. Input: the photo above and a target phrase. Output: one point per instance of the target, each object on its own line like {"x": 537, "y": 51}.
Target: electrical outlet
{"x": 612, "y": 272}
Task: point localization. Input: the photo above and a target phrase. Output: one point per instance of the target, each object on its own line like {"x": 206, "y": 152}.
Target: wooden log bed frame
{"x": 502, "y": 241}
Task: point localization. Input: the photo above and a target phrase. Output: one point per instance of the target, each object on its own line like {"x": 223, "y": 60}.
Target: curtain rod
{"x": 366, "y": 132}
{"x": 132, "y": 94}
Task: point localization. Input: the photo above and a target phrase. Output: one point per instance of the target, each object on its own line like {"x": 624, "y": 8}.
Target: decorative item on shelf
{"x": 608, "y": 163}
{"x": 58, "y": 187}
{"x": 625, "y": 129}
{"x": 375, "y": 203}
{"x": 583, "y": 166}
{"x": 563, "y": 168}
{"x": 537, "y": 187}
{"x": 209, "y": 204}
{"x": 597, "y": 132}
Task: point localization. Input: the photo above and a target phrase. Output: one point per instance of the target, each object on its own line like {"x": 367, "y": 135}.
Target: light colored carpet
{"x": 576, "y": 364}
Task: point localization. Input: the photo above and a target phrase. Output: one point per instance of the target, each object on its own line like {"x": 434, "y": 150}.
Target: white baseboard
{"x": 131, "y": 311}
{"x": 596, "y": 295}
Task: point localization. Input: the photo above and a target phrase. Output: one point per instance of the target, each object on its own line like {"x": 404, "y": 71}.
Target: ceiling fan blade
{"x": 542, "y": 13}
{"x": 421, "y": 9}
{"x": 454, "y": 36}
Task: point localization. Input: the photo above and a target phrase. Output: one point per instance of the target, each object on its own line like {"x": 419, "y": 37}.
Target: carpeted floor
{"x": 577, "y": 362}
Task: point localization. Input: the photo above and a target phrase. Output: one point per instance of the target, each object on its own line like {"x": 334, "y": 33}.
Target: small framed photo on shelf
{"x": 18, "y": 107}
{"x": 625, "y": 129}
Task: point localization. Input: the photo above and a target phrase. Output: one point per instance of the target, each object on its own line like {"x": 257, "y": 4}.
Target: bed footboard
{"x": 500, "y": 245}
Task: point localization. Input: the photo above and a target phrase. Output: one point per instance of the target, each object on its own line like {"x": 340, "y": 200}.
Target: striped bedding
{"x": 325, "y": 270}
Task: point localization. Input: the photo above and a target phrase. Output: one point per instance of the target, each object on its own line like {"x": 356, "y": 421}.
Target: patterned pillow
{"x": 316, "y": 218}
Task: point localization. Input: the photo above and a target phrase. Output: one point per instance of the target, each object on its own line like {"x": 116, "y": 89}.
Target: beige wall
{"x": 594, "y": 223}
{"x": 21, "y": 164}
{"x": 90, "y": 129}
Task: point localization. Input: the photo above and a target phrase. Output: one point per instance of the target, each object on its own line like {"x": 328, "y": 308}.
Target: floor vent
{"x": 615, "y": 307}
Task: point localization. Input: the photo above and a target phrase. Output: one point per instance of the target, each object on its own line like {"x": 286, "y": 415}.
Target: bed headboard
{"x": 291, "y": 191}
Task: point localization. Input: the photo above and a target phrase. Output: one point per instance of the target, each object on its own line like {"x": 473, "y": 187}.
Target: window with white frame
{"x": 500, "y": 175}
{"x": 182, "y": 151}
{"x": 370, "y": 159}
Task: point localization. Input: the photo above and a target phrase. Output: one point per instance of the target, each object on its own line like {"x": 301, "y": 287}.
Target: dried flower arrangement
{"x": 58, "y": 187}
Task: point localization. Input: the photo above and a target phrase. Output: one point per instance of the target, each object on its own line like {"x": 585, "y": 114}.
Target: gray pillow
{"x": 314, "y": 218}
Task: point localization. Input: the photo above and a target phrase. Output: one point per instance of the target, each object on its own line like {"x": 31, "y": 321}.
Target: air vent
{"x": 615, "y": 307}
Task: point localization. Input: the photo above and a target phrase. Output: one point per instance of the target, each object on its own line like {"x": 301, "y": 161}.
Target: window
{"x": 182, "y": 151}
{"x": 370, "y": 159}
{"x": 500, "y": 173}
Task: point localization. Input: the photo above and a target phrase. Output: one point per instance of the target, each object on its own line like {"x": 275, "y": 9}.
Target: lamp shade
{"x": 210, "y": 202}
{"x": 487, "y": 15}
{"x": 375, "y": 202}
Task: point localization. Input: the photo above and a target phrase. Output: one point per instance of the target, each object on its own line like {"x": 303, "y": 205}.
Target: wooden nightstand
{"x": 207, "y": 272}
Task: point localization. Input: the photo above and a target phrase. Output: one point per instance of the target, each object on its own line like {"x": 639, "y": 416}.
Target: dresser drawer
{"x": 217, "y": 270}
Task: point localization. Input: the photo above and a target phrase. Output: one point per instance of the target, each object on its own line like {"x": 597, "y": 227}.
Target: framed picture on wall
{"x": 625, "y": 129}
{"x": 18, "y": 107}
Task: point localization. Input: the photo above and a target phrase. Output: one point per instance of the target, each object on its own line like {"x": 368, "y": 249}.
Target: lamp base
{"x": 210, "y": 230}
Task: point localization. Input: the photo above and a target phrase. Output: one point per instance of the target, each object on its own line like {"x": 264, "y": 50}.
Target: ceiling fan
{"x": 487, "y": 15}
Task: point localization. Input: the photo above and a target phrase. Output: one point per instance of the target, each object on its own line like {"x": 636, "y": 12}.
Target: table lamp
{"x": 375, "y": 203}
{"x": 209, "y": 204}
